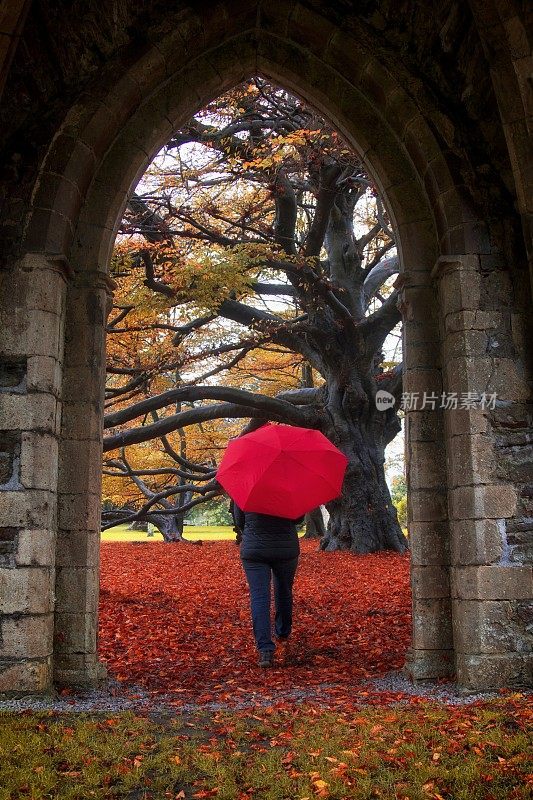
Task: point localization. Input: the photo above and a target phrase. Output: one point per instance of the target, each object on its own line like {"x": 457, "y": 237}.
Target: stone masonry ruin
{"x": 435, "y": 95}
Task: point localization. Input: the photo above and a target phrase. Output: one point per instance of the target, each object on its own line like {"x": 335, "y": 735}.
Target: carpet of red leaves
{"x": 174, "y": 620}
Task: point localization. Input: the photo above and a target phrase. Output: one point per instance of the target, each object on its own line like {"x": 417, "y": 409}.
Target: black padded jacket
{"x": 266, "y": 538}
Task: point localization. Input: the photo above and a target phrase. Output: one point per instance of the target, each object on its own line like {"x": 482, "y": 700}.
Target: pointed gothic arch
{"x": 461, "y": 505}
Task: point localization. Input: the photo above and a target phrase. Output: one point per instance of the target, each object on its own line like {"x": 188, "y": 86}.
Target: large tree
{"x": 257, "y": 230}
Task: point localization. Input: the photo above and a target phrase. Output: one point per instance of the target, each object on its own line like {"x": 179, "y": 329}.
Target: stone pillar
{"x": 80, "y": 462}
{"x": 491, "y": 592}
{"x": 431, "y": 655}
{"x": 32, "y": 302}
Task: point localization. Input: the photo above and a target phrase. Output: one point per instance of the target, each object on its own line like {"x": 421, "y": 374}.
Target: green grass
{"x": 424, "y": 752}
{"x": 212, "y": 533}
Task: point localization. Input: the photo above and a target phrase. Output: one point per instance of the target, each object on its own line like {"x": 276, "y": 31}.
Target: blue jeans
{"x": 258, "y": 575}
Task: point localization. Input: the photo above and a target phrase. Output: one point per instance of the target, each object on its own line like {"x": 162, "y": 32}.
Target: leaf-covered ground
{"x": 175, "y": 620}
{"x": 175, "y": 623}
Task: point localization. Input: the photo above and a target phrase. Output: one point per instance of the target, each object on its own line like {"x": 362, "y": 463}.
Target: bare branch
{"x": 378, "y": 275}
{"x": 263, "y": 406}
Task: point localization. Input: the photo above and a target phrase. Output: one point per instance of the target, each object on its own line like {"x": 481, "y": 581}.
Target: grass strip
{"x": 417, "y": 752}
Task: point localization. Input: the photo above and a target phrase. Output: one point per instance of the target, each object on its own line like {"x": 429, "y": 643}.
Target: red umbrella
{"x": 282, "y": 470}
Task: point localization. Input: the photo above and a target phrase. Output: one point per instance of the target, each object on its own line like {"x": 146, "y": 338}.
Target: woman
{"x": 269, "y": 548}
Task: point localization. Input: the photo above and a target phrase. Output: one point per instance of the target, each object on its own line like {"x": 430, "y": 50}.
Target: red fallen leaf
{"x": 352, "y": 622}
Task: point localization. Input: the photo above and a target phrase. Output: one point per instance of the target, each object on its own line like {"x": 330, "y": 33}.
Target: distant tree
{"x": 401, "y": 510}
{"x": 398, "y": 488}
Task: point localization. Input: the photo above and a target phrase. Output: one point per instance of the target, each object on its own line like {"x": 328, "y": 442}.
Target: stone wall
{"x": 491, "y": 579}
{"x": 32, "y": 311}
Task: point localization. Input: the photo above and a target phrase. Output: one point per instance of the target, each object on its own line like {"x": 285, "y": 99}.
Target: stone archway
{"x": 465, "y": 586}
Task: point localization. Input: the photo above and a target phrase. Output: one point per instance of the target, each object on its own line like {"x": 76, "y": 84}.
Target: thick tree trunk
{"x": 314, "y": 524}
{"x": 170, "y": 526}
{"x": 363, "y": 519}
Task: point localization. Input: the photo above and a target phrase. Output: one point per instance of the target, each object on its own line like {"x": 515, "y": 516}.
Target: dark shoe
{"x": 266, "y": 658}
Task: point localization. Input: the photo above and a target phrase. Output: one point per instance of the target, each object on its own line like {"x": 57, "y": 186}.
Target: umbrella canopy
{"x": 282, "y": 470}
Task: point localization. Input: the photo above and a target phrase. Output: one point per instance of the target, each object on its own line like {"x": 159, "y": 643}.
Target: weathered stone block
{"x": 476, "y": 541}
{"x": 35, "y": 332}
{"x": 509, "y": 380}
{"x": 504, "y": 377}
{"x": 427, "y": 505}
{"x": 78, "y": 548}
{"x": 466, "y": 374}
{"x": 492, "y": 582}
{"x": 422, "y": 380}
{"x": 27, "y": 412}
{"x": 73, "y": 669}
{"x": 421, "y": 332}
{"x": 521, "y": 332}
{"x": 35, "y": 548}
{"x": 466, "y": 344}
{"x": 492, "y": 501}
{"x": 428, "y": 582}
{"x": 80, "y": 511}
{"x": 75, "y": 633}
{"x": 472, "y": 320}
{"x": 422, "y": 355}
{"x": 423, "y": 426}
{"x": 428, "y": 665}
{"x": 496, "y": 289}
{"x": 46, "y": 282}
{"x": 429, "y": 543}
{"x": 493, "y": 671}
{"x": 432, "y": 624}
{"x": 471, "y": 459}
{"x": 460, "y": 290}
{"x": 82, "y": 421}
{"x": 520, "y": 541}
{"x": 28, "y": 509}
{"x": 25, "y": 676}
{"x": 39, "y": 461}
{"x": 426, "y": 466}
{"x": 84, "y": 336}
{"x": 418, "y": 301}
{"x": 302, "y": 28}
{"x": 490, "y": 627}
{"x": 80, "y": 465}
{"x": 78, "y": 379}
{"x": 27, "y": 636}
{"x": 26, "y": 591}
{"x": 77, "y": 588}
{"x": 460, "y": 421}
{"x": 44, "y": 374}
